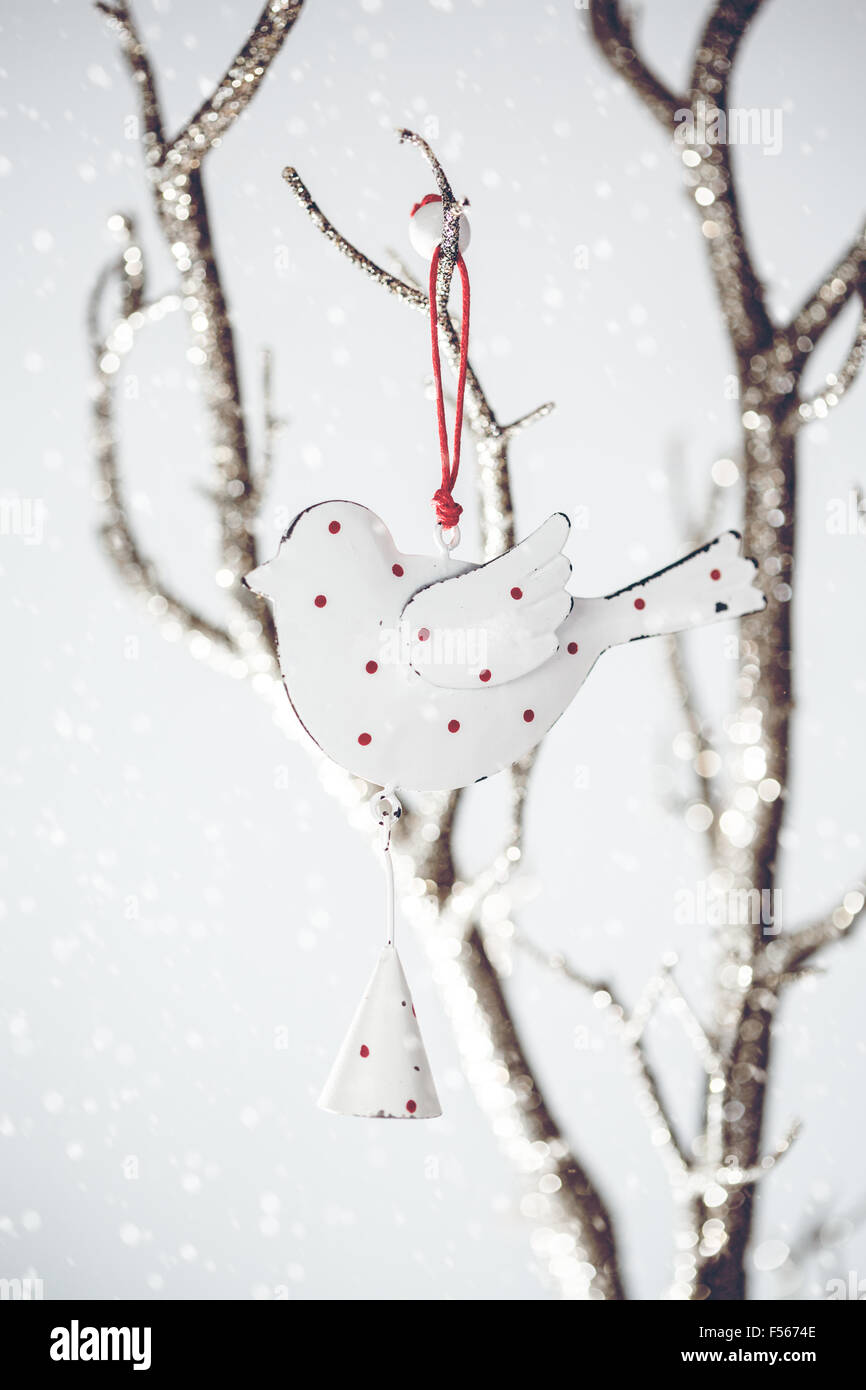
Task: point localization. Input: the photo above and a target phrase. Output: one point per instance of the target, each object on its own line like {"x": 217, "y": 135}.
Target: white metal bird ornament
{"x": 429, "y": 673}
{"x": 425, "y": 672}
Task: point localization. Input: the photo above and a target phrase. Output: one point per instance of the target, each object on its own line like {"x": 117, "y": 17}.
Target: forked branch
{"x": 817, "y": 407}
{"x": 482, "y": 420}
{"x": 612, "y": 29}
{"x": 770, "y": 360}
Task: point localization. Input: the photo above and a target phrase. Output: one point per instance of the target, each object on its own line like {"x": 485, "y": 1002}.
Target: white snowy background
{"x": 177, "y": 886}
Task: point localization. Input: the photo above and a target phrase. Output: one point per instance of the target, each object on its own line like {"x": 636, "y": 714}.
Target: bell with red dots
{"x": 382, "y": 1071}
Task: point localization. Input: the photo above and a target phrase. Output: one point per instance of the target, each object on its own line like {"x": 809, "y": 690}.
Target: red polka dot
{"x": 364, "y": 739}
{"x": 572, "y": 648}
{"x": 528, "y": 715}
{"x": 423, "y": 634}
{"x": 639, "y": 604}
{"x": 715, "y": 574}
{"x": 453, "y": 726}
{"x": 517, "y": 593}
{"x": 320, "y": 600}
{"x": 398, "y": 570}
{"x": 484, "y": 675}
{"x": 411, "y": 1107}
{"x": 365, "y": 1051}
{"x": 371, "y": 668}
{"x": 334, "y": 527}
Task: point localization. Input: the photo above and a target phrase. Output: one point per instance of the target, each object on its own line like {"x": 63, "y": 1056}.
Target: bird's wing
{"x": 497, "y": 622}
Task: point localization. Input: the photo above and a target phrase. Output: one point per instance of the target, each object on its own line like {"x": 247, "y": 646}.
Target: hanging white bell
{"x": 382, "y": 1071}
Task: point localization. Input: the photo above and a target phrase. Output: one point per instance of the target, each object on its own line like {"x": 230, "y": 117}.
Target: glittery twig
{"x": 178, "y": 191}
{"x": 121, "y": 544}
{"x": 612, "y": 30}
{"x": 744, "y": 1177}
{"x": 236, "y": 89}
{"x": 770, "y": 359}
{"x": 518, "y": 426}
{"x": 740, "y": 291}
{"x": 481, "y": 418}
{"x": 796, "y": 949}
{"x": 822, "y": 305}
{"x": 629, "y": 1028}
{"x": 817, "y": 407}
{"x": 135, "y": 53}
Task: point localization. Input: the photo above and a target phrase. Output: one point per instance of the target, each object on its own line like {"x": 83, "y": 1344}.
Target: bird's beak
{"x": 257, "y": 580}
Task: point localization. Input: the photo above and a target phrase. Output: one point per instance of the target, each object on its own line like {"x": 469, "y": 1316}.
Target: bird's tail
{"x": 710, "y": 585}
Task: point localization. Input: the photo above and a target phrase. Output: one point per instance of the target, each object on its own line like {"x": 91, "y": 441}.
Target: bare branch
{"x": 739, "y": 288}
{"x": 182, "y": 210}
{"x": 798, "y": 948}
{"x": 575, "y": 1200}
{"x": 237, "y": 87}
{"x": 635, "y": 1023}
{"x": 524, "y": 421}
{"x": 612, "y": 31}
{"x": 704, "y": 1044}
{"x": 770, "y": 362}
{"x": 410, "y": 295}
{"x": 480, "y": 414}
{"x": 451, "y": 206}
{"x": 740, "y": 291}
{"x": 819, "y": 405}
{"x": 629, "y": 1029}
{"x": 733, "y": 1176}
{"x": 138, "y": 61}
{"x": 822, "y": 305}
{"x": 126, "y": 271}
{"x": 122, "y": 547}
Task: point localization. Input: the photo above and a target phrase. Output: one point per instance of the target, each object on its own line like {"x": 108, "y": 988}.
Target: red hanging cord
{"x": 448, "y": 511}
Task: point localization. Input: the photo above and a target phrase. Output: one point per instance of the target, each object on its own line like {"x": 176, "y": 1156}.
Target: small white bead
{"x": 426, "y": 227}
